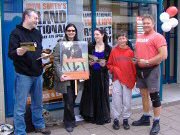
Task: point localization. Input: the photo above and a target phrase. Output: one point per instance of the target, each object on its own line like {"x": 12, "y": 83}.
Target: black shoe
{"x": 44, "y": 131}
{"x": 116, "y": 124}
{"x": 143, "y": 121}
{"x": 125, "y": 124}
{"x": 69, "y": 129}
{"x": 155, "y": 128}
{"x": 108, "y": 121}
{"x": 74, "y": 124}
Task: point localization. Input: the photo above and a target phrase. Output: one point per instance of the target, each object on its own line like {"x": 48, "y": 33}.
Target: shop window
{"x": 124, "y": 16}
{"x": 53, "y": 17}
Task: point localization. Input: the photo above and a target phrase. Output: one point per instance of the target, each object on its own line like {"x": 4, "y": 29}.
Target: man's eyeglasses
{"x": 70, "y": 30}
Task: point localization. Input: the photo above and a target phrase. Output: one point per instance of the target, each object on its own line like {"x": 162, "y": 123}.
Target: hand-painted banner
{"x": 74, "y": 59}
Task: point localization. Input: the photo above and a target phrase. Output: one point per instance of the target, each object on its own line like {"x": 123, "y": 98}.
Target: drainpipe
{"x": 159, "y": 11}
{"x": 93, "y": 16}
{"x": 2, "y": 107}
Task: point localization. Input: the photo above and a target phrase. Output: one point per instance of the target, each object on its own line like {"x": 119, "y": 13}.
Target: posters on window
{"x": 52, "y": 20}
{"x": 103, "y": 21}
{"x": 139, "y": 26}
{"x": 74, "y": 59}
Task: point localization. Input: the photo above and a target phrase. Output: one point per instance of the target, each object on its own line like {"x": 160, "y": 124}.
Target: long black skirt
{"x": 94, "y": 106}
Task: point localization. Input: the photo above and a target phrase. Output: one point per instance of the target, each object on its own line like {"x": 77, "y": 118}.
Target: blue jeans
{"x": 25, "y": 85}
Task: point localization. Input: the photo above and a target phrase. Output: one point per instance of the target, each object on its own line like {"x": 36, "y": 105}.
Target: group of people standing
{"x": 126, "y": 66}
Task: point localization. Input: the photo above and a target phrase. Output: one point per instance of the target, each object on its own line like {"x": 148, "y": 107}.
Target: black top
{"x": 130, "y": 45}
{"x": 27, "y": 63}
{"x": 107, "y": 50}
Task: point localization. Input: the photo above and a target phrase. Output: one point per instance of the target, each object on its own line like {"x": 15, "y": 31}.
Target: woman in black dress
{"x": 94, "y": 106}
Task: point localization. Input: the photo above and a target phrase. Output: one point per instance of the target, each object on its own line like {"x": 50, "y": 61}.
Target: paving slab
{"x": 170, "y": 121}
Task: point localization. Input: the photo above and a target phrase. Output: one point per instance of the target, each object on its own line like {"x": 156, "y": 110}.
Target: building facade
{"x": 111, "y": 15}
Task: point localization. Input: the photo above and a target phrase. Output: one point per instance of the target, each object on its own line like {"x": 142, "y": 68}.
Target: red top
{"x": 120, "y": 64}
{"x": 147, "y": 45}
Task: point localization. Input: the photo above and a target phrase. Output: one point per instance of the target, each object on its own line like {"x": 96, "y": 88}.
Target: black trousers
{"x": 69, "y": 101}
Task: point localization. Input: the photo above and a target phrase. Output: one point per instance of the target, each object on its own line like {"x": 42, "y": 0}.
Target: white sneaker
{"x": 6, "y": 129}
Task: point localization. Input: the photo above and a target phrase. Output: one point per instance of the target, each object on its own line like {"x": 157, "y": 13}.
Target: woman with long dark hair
{"x": 62, "y": 83}
{"x": 94, "y": 105}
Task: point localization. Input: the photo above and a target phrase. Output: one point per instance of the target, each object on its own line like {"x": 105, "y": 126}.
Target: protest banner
{"x": 74, "y": 59}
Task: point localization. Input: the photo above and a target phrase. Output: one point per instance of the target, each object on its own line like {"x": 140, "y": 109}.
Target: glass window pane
{"x": 125, "y": 15}
{"x": 87, "y": 22}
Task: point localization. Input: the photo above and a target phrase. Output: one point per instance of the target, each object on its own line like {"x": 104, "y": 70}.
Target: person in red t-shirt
{"x": 120, "y": 64}
{"x": 150, "y": 51}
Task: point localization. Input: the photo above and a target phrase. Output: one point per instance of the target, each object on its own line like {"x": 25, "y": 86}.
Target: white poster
{"x": 139, "y": 26}
{"x": 103, "y": 21}
{"x": 52, "y": 20}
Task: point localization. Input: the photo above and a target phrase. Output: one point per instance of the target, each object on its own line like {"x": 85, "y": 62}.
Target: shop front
{"x": 110, "y": 15}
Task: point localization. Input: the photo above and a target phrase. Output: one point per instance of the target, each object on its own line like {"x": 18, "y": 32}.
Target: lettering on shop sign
{"x": 45, "y": 5}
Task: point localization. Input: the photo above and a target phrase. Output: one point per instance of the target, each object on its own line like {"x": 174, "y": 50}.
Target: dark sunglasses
{"x": 70, "y": 30}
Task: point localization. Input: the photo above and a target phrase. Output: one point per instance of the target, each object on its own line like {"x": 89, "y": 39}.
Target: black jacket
{"x": 26, "y": 64}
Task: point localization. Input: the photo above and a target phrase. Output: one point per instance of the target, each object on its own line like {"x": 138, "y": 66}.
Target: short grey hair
{"x": 148, "y": 16}
{"x": 28, "y": 11}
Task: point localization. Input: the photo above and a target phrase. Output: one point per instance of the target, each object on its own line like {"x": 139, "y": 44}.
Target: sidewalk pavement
{"x": 170, "y": 121}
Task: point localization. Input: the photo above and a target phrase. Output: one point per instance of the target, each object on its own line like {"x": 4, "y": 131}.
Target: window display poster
{"x": 139, "y": 26}
{"x": 52, "y": 20}
{"x": 103, "y": 21}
